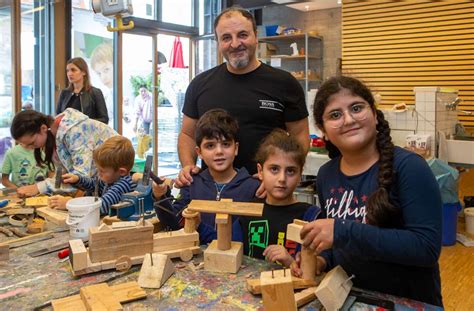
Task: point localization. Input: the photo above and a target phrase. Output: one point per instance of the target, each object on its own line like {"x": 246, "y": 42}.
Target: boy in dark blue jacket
{"x": 217, "y": 146}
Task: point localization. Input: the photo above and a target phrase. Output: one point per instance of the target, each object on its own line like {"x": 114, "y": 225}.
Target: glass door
{"x": 153, "y": 98}
{"x": 139, "y": 92}
{"x": 6, "y": 82}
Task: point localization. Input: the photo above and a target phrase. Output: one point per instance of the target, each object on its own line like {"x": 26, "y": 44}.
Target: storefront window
{"x": 177, "y": 12}
{"x": 6, "y": 103}
{"x": 92, "y": 41}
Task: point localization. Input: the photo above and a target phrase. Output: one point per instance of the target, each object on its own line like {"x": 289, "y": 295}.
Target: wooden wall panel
{"x": 394, "y": 46}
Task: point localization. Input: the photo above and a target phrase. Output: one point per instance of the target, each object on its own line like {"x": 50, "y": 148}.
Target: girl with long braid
{"x": 381, "y": 203}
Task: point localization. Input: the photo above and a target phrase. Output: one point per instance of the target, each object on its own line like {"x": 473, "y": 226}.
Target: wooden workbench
{"x": 27, "y": 282}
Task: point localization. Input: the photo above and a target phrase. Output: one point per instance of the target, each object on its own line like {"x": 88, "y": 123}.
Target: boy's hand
{"x": 70, "y": 178}
{"x": 185, "y": 175}
{"x": 27, "y": 191}
{"x": 318, "y": 235}
{"x": 296, "y": 265}
{"x": 58, "y": 202}
{"x": 159, "y": 190}
{"x": 278, "y": 253}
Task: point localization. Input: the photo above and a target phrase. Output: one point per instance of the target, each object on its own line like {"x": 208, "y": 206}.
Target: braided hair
{"x": 380, "y": 211}
{"x": 29, "y": 122}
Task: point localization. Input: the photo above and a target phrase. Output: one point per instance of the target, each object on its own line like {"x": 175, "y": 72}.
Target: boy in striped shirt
{"x": 114, "y": 160}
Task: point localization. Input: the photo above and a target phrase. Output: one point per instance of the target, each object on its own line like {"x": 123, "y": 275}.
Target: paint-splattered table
{"x": 28, "y": 283}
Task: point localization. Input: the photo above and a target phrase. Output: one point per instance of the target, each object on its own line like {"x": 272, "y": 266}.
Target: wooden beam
{"x": 253, "y": 285}
{"x": 231, "y": 208}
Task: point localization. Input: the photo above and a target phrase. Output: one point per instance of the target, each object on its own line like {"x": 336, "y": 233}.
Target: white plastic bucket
{"x": 84, "y": 213}
{"x": 469, "y": 215}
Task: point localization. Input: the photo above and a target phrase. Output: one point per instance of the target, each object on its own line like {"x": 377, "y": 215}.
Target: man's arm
{"x": 186, "y": 143}
{"x": 300, "y": 130}
{"x": 187, "y": 152}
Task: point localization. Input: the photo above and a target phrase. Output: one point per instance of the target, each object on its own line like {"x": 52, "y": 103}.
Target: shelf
{"x": 288, "y": 37}
{"x": 288, "y": 57}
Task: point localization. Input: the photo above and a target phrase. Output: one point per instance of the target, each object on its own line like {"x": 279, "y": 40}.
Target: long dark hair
{"x": 380, "y": 211}
{"x": 82, "y": 65}
{"x": 29, "y": 122}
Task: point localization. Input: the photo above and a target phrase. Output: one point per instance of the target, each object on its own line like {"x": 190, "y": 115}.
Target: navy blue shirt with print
{"x": 402, "y": 260}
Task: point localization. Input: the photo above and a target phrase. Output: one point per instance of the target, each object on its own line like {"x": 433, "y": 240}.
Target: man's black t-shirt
{"x": 261, "y": 101}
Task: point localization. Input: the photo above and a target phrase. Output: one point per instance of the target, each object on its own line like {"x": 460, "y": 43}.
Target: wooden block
{"x": 123, "y": 224}
{"x": 103, "y": 227}
{"x": 171, "y": 238}
{"x": 223, "y": 261}
{"x": 112, "y": 264}
{"x": 110, "y": 245}
{"x": 159, "y": 249}
{"x": 253, "y": 285}
{"x": 124, "y": 293}
{"x": 99, "y": 297}
{"x": 293, "y": 233}
{"x": 222, "y": 218}
{"x": 190, "y": 220}
{"x": 37, "y": 226}
{"x": 154, "y": 273}
{"x": 232, "y": 208}
{"x": 334, "y": 289}
{"x": 4, "y": 253}
{"x": 55, "y": 216}
{"x": 224, "y": 234}
{"x": 305, "y": 296}
{"x": 182, "y": 253}
{"x": 308, "y": 263}
{"x": 277, "y": 290}
{"x": 77, "y": 255}
{"x": 20, "y": 211}
{"x": 36, "y": 201}
{"x": 299, "y": 222}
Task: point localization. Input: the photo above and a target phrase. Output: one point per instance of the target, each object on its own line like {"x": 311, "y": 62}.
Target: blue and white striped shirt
{"x": 109, "y": 193}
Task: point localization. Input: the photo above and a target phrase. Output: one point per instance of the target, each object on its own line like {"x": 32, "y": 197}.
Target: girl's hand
{"x": 70, "y": 178}
{"x": 318, "y": 235}
{"x": 278, "y": 253}
{"x": 27, "y": 191}
{"x": 58, "y": 202}
{"x": 296, "y": 265}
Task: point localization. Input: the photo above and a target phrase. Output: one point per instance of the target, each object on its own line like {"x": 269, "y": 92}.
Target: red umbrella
{"x": 176, "y": 58}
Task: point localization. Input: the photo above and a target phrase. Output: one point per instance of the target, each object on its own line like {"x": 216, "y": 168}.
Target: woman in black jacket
{"x": 80, "y": 94}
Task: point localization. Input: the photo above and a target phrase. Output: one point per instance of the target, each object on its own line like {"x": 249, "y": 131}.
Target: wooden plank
{"x": 109, "y": 245}
{"x": 28, "y": 239}
{"x": 55, "y": 216}
{"x": 231, "y": 208}
{"x": 124, "y": 293}
{"x": 36, "y": 201}
{"x": 99, "y": 297}
{"x": 253, "y": 285}
{"x": 171, "y": 238}
{"x": 158, "y": 248}
{"x": 20, "y": 211}
{"x": 123, "y": 224}
{"x": 305, "y": 296}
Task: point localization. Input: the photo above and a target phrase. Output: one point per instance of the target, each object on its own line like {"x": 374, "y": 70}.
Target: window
{"x": 92, "y": 41}
{"x": 177, "y": 12}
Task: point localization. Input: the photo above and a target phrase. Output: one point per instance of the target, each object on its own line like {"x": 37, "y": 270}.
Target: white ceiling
{"x": 315, "y": 5}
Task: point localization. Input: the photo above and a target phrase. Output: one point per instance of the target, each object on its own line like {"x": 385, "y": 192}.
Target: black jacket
{"x": 92, "y": 103}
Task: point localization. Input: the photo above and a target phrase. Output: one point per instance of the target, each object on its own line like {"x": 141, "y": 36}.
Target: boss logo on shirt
{"x": 270, "y": 104}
